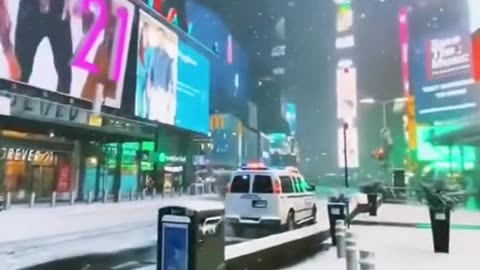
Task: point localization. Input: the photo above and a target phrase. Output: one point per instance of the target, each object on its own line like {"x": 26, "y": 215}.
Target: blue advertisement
{"x": 230, "y": 70}
{"x": 193, "y": 90}
{"x": 175, "y": 247}
{"x": 441, "y": 77}
{"x": 173, "y": 80}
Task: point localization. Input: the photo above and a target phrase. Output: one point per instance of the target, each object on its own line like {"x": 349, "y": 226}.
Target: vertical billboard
{"x": 291, "y": 117}
{"x": 76, "y": 48}
{"x": 442, "y": 78}
{"x": 173, "y": 79}
{"x": 347, "y": 112}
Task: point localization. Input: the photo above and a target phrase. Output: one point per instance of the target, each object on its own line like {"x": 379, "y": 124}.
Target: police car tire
{"x": 290, "y": 221}
{"x": 314, "y": 214}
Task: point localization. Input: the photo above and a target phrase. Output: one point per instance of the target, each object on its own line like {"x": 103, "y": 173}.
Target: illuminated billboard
{"x": 441, "y": 77}
{"x": 67, "y": 50}
{"x": 346, "y": 79}
{"x": 344, "y": 25}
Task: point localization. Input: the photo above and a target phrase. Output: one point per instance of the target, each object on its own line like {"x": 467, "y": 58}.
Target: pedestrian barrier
{"x": 53, "y": 201}
{"x": 356, "y": 259}
{"x": 70, "y": 198}
{"x": 32, "y": 200}
{"x": 340, "y": 236}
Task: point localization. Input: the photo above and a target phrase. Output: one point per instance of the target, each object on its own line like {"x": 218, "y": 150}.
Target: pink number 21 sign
{"x": 101, "y": 23}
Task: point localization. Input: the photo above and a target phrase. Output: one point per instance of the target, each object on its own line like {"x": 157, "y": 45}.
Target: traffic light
{"x": 379, "y": 154}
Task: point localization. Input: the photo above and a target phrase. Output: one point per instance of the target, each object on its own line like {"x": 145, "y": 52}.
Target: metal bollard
{"x": 154, "y": 193}
{"x": 105, "y": 196}
{"x": 72, "y": 197}
{"x": 172, "y": 192}
{"x": 119, "y": 196}
{"x": 181, "y": 192}
{"x": 132, "y": 194}
{"x": 8, "y": 201}
{"x": 90, "y": 197}
{"x": 367, "y": 260}
{"x": 351, "y": 252}
{"x": 144, "y": 193}
{"x": 32, "y": 199}
{"x": 53, "y": 202}
{"x": 340, "y": 238}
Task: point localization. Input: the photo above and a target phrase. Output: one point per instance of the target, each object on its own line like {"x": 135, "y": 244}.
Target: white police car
{"x": 263, "y": 197}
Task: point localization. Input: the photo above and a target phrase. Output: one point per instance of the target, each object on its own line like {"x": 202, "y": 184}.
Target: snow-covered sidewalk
{"x": 417, "y": 214}
{"x": 33, "y": 236}
{"x": 403, "y": 248}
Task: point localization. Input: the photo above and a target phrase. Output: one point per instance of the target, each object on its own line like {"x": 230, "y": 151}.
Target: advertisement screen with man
{"x": 57, "y": 45}
{"x": 156, "y": 93}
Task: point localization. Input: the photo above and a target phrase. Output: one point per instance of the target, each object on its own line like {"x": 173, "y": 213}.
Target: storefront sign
{"x": 165, "y": 158}
{"x": 29, "y": 155}
{"x": 29, "y": 107}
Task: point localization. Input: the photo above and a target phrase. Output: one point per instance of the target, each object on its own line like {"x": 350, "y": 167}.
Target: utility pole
{"x": 345, "y": 152}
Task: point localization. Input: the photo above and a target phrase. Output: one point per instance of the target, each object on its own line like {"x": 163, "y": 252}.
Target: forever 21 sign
{"x": 30, "y": 155}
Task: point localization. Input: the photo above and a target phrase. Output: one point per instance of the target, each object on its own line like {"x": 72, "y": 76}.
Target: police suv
{"x": 269, "y": 198}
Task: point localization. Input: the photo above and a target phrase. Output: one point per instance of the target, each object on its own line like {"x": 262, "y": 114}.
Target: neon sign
{"x": 100, "y": 24}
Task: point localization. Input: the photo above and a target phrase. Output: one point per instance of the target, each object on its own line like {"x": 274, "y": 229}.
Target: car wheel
{"x": 237, "y": 231}
{"x": 314, "y": 215}
{"x": 291, "y": 221}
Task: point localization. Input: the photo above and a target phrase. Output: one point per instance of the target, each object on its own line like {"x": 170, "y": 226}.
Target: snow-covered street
{"x": 33, "y": 236}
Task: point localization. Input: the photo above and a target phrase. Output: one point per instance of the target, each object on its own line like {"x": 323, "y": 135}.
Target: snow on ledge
{"x": 253, "y": 246}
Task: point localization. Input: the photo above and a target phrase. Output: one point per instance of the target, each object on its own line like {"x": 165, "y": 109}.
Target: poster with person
{"x": 72, "y": 47}
{"x": 156, "y": 93}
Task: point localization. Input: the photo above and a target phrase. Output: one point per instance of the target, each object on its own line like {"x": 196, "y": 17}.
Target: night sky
{"x": 311, "y": 56}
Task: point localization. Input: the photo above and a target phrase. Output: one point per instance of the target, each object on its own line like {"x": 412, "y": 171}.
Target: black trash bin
{"x": 372, "y": 203}
{"x": 190, "y": 239}
{"x": 337, "y": 211}
{"x": 440, "y": 220}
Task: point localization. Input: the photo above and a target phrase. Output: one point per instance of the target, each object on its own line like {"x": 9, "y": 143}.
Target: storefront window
{"x": 30, "y": 170}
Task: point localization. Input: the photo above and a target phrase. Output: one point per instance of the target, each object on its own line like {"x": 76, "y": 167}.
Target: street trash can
{"x": 372, "y": 199}
{"x": 190, "y": 239}
{"x": 337, "y": 211}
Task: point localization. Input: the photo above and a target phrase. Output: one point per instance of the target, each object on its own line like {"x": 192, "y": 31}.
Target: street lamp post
{"x": 385, "y": 132}
{"x": 384, "y": 105}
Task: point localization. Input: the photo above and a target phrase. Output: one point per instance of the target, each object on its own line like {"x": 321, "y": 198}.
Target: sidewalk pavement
{"x": 399, "y": 248}
{"x": 403, "y": 248}
{"x": 417, "y": 214}
{"x": 31, "y": 236}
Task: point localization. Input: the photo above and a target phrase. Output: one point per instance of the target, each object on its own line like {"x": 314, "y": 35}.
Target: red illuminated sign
{"x": 476, "y": 55}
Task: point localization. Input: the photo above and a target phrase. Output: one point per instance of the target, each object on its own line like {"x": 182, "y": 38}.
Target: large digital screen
{"x": 193, "y": 90}
{"x": 291, "y": 117}
{"x": 347, "y": 111}
{"x": 441, "y": 77}
{"x": 173, "y": 79}
{"x": 156, "y": 90}
{"x": 76, "y": 48}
